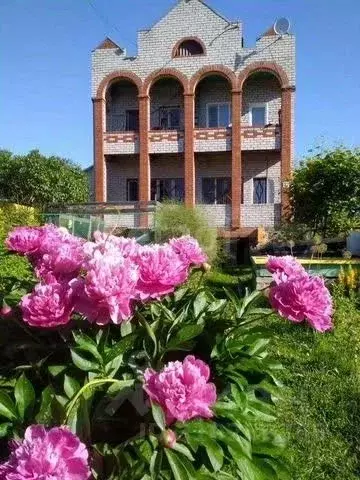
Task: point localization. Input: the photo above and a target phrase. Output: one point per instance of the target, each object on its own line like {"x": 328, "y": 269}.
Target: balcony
{"x": 261, "y": 138}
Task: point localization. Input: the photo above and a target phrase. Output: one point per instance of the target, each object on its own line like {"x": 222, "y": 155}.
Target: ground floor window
{"x": 216, "y": 190}
{"x": 260, "y": 190}
{"x": 132, "y": 190}
{"x": 167, "y": 189}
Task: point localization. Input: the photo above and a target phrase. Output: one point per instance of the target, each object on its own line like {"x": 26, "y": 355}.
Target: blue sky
{"x": 45, "y": 65}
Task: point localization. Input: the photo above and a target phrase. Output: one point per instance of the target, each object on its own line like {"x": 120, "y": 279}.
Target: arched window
{"x": 188, "y": 48}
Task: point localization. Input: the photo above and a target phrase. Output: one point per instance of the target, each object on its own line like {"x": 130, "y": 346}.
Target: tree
{"x": 37, "y": 180}
{"x": 325, "y": 191}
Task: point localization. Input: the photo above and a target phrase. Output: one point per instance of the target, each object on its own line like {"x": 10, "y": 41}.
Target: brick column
{"x": 99, "y": 158}
{"x": 144, "y": 157}
{"x": 286, "y": 146}
{"x": 236, "y": 175}
{"x": 189, "y": 170}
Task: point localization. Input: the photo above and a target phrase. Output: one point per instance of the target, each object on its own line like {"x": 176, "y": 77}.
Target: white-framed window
{"x": 260, "y": 190}
{"x": 218, "y": 115}
{"x": 216, "y": 190}
{"x": 258, "y": 113}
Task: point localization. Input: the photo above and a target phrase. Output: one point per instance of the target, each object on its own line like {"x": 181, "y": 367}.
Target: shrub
{"x": 174, "y": 220}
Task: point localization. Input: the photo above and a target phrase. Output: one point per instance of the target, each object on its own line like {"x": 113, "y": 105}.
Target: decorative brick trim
{"x": 128, "y": 137}
{"x": 161, "y": 73}
{"x": 212, "y": 133}
{"x": 99, "y": 159}
{"x": 179, "y": 42}
{"x": 189, "y": 157}
{"x": 286, "y": 148}
{"x": 260, "y": 132}
{"x": 165, "y": 136}
{"x": 270, "y": 67}
{"x": 213, "y": 70}
{"x": 118, "y": 75}
{"x": 236, "y": 166}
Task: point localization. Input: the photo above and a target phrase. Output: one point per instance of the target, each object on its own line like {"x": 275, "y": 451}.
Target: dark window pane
{"x": 132, "y": 120}
{"x": 224, "y": 115}
{"x": 212, "y": 116}
{"x": 260, "y": 190}
{"x": 208, "y": 190}
{"x": 132, "y": 190}
{"x": 169, "y": 117}
{"x": 174, "y": 118}
{"x": 223, "y": 190}
{"x": 258, "y": 116}
{"x": 179, "y": 193}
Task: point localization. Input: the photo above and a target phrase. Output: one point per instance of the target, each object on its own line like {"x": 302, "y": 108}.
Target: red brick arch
{"x": 213, "y": 70}
{"x": 163, "y": 73}
{"x": 118, "y": 75}
{"x": 179, "y": 42}
{"x": 270, "y": 67}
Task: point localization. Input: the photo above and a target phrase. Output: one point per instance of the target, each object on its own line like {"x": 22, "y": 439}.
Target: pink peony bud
{"x": 6, "y": 311}
{"x": 206, "y": 267}
{"x": 168, "y": 438}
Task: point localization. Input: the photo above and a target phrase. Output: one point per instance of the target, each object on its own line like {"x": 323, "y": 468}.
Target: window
{"x": 216, "y": 190}
{"x": 259, "y": 190}
{"x": 167, "y": 188}
{"x": 132, "y": 121}
{"x": 132, "y": 190}
{"x": 258, "y": 114}
{"x": 169, "y": 118}
{"x": 188, "y": 48}
{"x": 218, "y": 115}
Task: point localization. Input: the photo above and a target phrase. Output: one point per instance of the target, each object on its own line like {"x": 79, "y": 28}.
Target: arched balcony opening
{"x": 122, "y": 110}
{"x": 213, "y": 102}
{"x": 167, "y": 104}
{"x": 261, "y": 100}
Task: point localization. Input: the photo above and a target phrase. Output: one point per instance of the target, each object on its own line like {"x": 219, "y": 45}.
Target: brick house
{"x": 196, "y": 117}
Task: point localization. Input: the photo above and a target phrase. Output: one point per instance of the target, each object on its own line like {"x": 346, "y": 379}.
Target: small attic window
{"x": 189, "y": 48}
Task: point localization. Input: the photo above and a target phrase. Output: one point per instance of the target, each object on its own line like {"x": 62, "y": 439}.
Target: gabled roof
{"x": 107, "y": 43}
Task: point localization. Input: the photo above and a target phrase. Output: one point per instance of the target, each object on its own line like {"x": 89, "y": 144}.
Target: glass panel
{"x": 224, "y": 115}
{"x": 174, "y": 118}
{"x": 132, "y": 120}
{"x": 208, "y": 190}
{"x": 179, "y": 193}
{"x": 223, "y": 190}
{"x": 260, "y": 190}
{"x": 153, "y": 190}
{"x": 258, "y": 116}
{"x": 132, "y": 190}
{"x": 212, "y": 116}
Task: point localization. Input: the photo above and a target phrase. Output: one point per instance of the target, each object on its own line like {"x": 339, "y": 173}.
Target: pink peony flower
{"x": 6, "y": 311}
{"x": 160, "y": 271}
{"x": 189, "y": 250}
{"x": 56, "y": 454}
{"x": 284, "y": 268}
{"x": 24, "y": 240}
{"x": 107, "y": 292}
{"x": 109, "y": 244}
{"x": 182, "y": 389}
{"x": 304, "y": 298}
{"x": 168, "y": 438}
{"x": 49, "y": 305}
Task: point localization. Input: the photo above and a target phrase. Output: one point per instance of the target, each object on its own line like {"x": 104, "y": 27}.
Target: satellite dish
{"x": 282, "y": 26}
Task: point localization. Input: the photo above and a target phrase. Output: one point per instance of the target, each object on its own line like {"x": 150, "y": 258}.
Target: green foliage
{"x": 325, "y": 191}
{"x": 174, "y": 219}
{"x": 319, "y": 411}
{"x": 37, "y": 180}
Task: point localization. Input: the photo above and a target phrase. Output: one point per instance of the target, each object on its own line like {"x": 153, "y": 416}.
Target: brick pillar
{"x": 144, "y": 157}
{"x": 286, "y": 146}
{"x": 99, "y": 158}
{"x": 236, "y": 175}
{"x": 189, "y": 171}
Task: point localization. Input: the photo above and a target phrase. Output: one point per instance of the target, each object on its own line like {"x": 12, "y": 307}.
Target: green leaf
{"x": 158, "y": 415}
{"x": 79, "y": 421}
{"x": 200, "y": 304}
{"x": 55, "y": 370}
{"x": 201, "y": 427}
{"x": 125, "y": 328}
{"x": 5, "y": 428}
{"x": 156, "y": 463}
{"x": 25, "y": 396}
{"x": 7, "y": 406}
{"x": 120, "y": 347}
{"x": 45, "y": 413}
{"x": 87, "y": 344}
{"x": 177, "y": 466}
{"x": 149, "y": 331}
{"x": 186, "y": 333}
{"x": 82, "y": 362}
{"x": 215, "y": 453}
{"x": 71, "y": 386}
{"x": 181, "y": 448}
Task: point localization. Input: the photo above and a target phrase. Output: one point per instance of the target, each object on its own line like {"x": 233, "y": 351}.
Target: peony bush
{"x": 115, "y": 369}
